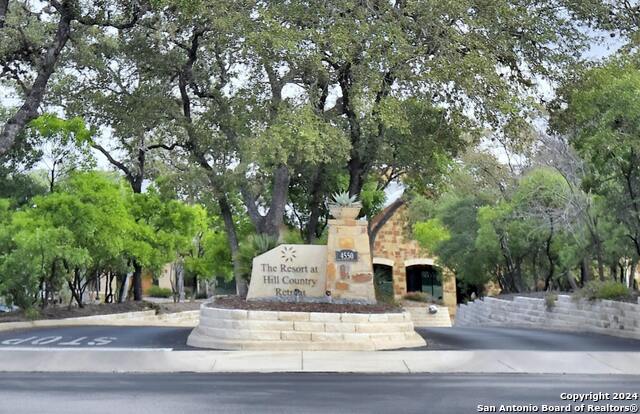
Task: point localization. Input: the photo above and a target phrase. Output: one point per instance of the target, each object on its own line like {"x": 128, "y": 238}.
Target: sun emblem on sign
{"x": 288, "y": 253}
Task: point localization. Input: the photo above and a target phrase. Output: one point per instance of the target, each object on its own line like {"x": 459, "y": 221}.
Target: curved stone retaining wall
{"x": 423, "y": 319}
{"x": 271, "y": 330}
{"x": 603, "y": 317}
{"x": 139, "y": 318}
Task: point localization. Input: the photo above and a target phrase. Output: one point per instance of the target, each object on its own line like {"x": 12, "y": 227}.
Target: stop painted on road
{"x": 59, "y": 341}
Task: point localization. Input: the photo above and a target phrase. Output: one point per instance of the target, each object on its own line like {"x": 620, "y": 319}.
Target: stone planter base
{"x": 233, "y": 329}
{"x": 423, "y": 319}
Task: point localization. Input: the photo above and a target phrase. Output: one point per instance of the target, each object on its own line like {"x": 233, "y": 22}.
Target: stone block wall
{"x": 423, "y": 319}
{"x": 139, "y": 318}
{"x": 603, "y": 317}
{"x": 234, "y": 329}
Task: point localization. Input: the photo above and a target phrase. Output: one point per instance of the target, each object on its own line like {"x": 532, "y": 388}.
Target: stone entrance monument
{"x": 340, "y": 272}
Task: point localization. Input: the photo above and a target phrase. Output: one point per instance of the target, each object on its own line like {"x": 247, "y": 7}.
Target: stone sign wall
{"x": 280, "y": 271}
{"x": 349, "y": 267}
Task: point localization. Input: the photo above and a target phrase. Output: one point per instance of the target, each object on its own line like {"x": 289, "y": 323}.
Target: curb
{"x": 407, "y": 362}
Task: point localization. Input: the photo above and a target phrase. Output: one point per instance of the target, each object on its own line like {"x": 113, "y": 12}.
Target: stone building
{"x": 400, "y": 263}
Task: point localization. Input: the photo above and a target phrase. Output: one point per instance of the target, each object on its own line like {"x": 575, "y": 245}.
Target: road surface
{"x": 468, "y": 338}
{"x": 97, "y": 337}
{"x": 296, "y": 393}
{"x": 437, "y": 338}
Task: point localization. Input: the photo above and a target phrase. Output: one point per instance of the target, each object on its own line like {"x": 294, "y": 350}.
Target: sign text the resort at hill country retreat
{"x": 287, "y": 270}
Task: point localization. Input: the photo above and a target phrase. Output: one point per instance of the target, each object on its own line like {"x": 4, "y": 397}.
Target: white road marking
{"x": 46, "y": 340}
{"x": 74, "y": 342}
{"x": 44, "y": 348}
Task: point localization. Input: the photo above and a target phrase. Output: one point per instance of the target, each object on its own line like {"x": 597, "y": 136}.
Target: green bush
{"x": 31, "y": 313}
{"x": 254, "y": 245}
{"x": 603, "y": 290}
{"x": 159, "y": 292}
{"x": 550, "y": 301}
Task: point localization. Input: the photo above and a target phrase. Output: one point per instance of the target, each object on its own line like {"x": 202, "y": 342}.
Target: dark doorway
{"x": 383, "y": 282}
{"x": 424, "y": 278}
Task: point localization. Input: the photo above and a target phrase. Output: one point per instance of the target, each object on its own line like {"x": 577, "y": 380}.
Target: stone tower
{"x": 349, "y": 266}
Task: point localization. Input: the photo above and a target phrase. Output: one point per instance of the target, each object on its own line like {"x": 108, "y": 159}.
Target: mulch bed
{"x": 235, "y": 302}
{"x": 100, "y": 309}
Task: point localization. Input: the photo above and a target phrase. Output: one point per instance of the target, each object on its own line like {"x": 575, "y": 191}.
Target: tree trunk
{"x": 509, "y": 282}
{"x": 314, "y": 206}
{"x": 124, "y": 288}
{"x": 194, "y": 288}
{"x": 75, "y": 295}
{"x": 632, "y": 273}
{"x": 547, "y": 281}
{"x": 108, "y": 293}
{"x": 43, "y": 294}
{"x": 74, "y": 288}
{"x": 571, "y": 280}
{"x": 230, "y": 228}
{"x": 600, "y": 261}
{"x": 534, "y": 270}
{"x": 356, "y": 174}
{"x": 270, "y": 223}
{"x": 585, "y": 271}
{"x": 517, "y": 276}
{"x": 179, "y": 272}
{"x": 622, "y": 272}
{"x": 4, "y": 8}
{"x": 137, "y": 281}
{"x": 29, "y": 109}
{"x": 280, "y": 191}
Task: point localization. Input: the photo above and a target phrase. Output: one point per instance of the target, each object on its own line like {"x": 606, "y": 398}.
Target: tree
{"x": 112, "y": 89}
{"x": 33, "y": 39}
{"x": 68, "y": 236}
{"x": 445, "y": 55}
{"x": 490, "y": 224}
{"x": 541, "y": 199}
{"x": 92, "y": 226}
{"x": 601, "y": 121}
{"x": 63, "y": 145}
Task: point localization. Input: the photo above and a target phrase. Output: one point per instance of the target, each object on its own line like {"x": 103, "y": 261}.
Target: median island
{"x": 310, "y": 297}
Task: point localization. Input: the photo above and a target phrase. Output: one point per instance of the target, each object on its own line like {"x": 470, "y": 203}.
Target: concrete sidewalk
{"x": 165, "y": 361}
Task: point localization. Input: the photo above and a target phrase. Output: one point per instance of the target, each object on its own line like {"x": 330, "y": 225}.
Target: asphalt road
{"x": 98, "y": 337}
{"x": 437, "y": 338}
{"x": 467, "y": 338}
{"x": 296, "y": 393}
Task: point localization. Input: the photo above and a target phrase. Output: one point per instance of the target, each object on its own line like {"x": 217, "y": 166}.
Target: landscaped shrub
{"x": 254, "y": 245}
{"x": 32, "y": 313}
{"x": 159, "y": 292}
{"x": 603, "y": 290}
{"x": 550, "y": 301}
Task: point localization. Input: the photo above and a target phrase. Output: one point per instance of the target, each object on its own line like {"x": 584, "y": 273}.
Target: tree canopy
{"x": 230, "y": 121}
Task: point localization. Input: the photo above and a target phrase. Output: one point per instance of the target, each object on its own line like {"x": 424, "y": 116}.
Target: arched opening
{"x": 424, "y": 278}
{"x": 383, "y": 282}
